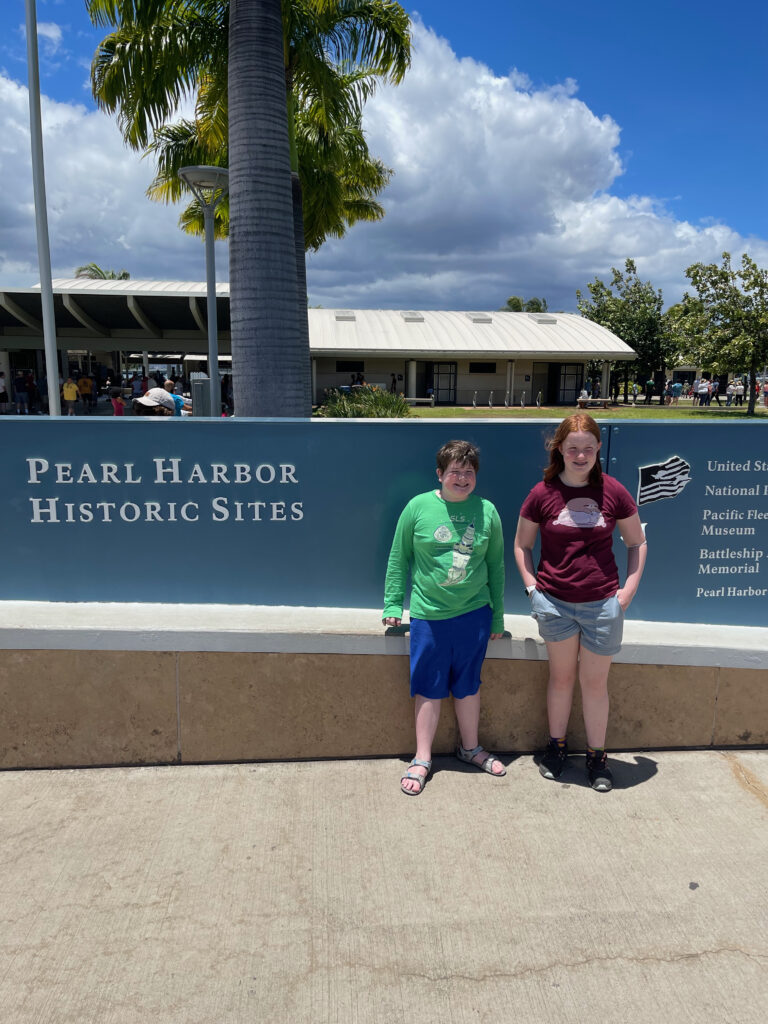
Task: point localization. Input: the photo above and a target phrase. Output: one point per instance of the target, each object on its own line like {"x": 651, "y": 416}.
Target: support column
{"x": 511, "y": 380}
{"x": 410, "y": 370}
{"x": 605, "y": 380}
{"x": 314, "y": 398}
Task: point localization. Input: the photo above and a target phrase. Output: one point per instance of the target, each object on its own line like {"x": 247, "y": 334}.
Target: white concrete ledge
{"x": 41, "y": 625}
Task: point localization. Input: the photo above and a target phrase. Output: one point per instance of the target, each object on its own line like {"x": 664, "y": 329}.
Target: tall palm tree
{"x": 332, "y": 50}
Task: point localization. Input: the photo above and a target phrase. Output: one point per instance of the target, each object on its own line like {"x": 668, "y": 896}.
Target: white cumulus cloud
{"x": 499, "y": 189}
{"x": 97, "y": 207}
{"x": 51, "y": 35}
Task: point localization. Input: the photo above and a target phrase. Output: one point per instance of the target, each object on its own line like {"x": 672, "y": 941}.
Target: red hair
{"x": 571, "y": 424}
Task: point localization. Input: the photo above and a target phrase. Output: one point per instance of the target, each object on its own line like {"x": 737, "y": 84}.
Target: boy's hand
{"x": 496, "y": 636}
{"x": 391, "y": 621}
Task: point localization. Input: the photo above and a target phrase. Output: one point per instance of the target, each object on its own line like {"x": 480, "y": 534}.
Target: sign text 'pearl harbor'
{"x": 163, "y": 472}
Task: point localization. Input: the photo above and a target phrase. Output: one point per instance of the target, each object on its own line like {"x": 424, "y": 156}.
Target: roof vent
{"x": 412, "y": 317}
{"x": 345, "y": 314}
{"x": 480, "y": 318}
{"x": 543, "y": 318}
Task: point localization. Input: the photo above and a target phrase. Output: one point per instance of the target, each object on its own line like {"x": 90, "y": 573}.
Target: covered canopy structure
{"x": 458, "y": 356}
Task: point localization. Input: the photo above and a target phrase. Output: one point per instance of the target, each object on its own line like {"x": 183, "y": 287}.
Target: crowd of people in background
{"x": 80, "y": 392}
{"x": 83, "y": 394}
{"x": 702, "y": 391}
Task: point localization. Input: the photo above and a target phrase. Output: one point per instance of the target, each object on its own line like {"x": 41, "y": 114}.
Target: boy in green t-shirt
{"x": 451, "y": 542}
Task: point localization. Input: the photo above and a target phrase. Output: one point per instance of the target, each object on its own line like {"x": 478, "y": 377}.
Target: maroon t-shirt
{"x": 576, "y": 526}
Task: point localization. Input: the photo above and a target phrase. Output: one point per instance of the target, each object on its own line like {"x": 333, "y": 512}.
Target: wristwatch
{"x": 530, "y": 590}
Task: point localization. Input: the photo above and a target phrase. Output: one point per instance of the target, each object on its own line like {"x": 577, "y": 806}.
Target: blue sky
{"x": 685, "y": 81}
{"x": 534, "y": 146}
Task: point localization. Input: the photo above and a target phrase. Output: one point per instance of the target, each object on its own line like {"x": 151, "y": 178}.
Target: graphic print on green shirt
{"x": 454, "y": 552}
{"x": 462, "y": 552}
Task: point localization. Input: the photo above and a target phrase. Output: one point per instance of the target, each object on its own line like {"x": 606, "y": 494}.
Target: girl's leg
{"x": 593, "y": 678}
{"x": 427, "y": 715}
{"x": 563, "y": 667}
{"x": 468, "y": 716}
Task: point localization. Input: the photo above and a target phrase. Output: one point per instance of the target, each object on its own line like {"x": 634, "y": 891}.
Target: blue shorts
{"x": 600, "y": 623}
{"x": 447, "y": 654}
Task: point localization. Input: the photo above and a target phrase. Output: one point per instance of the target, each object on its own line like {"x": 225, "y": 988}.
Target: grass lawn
{"x": 683, "y": 411}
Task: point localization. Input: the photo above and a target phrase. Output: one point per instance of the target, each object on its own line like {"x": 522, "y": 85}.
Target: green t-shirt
{"x": 455, "y": 553}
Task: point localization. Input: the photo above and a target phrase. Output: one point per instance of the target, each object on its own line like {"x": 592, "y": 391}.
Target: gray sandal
{"x": 421, "y": 779}
{"x": 468, "y": 756}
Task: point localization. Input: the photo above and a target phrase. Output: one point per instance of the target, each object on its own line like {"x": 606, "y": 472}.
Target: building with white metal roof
{"x": 459, "y": 355}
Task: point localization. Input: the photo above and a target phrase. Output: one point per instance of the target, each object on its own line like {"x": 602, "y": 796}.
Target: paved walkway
{"x": 317, "y": 893}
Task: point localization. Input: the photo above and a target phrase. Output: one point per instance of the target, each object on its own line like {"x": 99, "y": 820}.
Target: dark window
{"x": 444, "y": 383}
{"x": 571, "y": 379}
{"x": 482, "y": 367}
{"x": 350, "y": 366}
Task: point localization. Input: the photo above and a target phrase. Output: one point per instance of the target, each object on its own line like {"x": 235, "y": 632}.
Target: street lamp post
{"x": 209, "y": 185}
{"x": 41, "y": 214}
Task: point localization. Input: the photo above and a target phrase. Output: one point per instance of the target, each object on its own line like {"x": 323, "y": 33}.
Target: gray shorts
{"x": 600, "y": 623}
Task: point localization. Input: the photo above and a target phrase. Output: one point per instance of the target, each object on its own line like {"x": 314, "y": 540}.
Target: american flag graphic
{"x": 664, "y": 480}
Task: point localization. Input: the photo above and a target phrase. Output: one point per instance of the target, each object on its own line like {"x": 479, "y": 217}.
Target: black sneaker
{"x": 600, "y": 777}
{"x": 552, "y": 763}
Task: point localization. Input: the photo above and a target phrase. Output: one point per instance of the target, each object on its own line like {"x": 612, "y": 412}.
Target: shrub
{"x": 366, "y": 402}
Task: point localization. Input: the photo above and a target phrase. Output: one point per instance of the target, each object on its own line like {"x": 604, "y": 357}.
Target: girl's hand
{"x": 624, "y": 598}
{"x": 391, "y": 621}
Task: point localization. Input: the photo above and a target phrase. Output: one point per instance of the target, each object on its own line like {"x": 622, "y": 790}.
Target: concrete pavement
{"x": 315, "y": 892}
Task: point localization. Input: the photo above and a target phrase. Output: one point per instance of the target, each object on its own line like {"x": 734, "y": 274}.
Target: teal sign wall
{"x": 293, "y": 512}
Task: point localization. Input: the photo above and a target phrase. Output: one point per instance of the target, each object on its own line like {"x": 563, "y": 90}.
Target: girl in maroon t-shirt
{"x": 575, "y": 594}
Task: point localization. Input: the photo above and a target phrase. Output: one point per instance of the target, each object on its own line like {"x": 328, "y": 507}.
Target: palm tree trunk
{"x": 270, "y": 353}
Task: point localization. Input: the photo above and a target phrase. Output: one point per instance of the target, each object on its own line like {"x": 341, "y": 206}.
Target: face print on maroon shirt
{"x": 580, "y": 512}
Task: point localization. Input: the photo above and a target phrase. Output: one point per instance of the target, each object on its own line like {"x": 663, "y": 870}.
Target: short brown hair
{"x": 458, "y": 451}
{"x": 571, "y": 424}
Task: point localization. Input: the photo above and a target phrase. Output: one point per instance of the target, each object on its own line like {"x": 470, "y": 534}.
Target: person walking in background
{"x": 69, "y": 393}
{"x": 20, "y": 394}
{"x": 84, "y": 386}
{"x": 118, "y": 402}
{"x": 451, "y": 543}
{"x": 575, "y": 595}
{"x": 181, "y": 403}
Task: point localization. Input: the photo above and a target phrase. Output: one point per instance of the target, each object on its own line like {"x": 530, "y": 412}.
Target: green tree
{"x": 516, "y": 304}
{"x": 725, "y": 326}
{"x": 632, "y": 309}
{"x": 339, "y": 179}
{"x": 97, "y": 273}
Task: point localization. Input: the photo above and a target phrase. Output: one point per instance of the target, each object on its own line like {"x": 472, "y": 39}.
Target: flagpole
{"x": 41, "y": 213}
